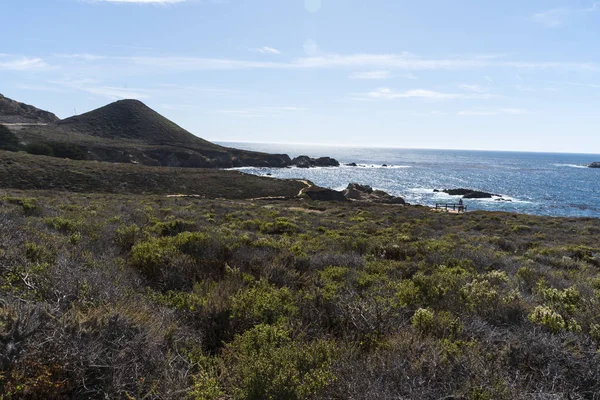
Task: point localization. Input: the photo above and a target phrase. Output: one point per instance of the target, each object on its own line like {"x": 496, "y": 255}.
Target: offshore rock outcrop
{"x": 354, "y": 192}
{"x": 594, "y": 165}
{"x": 468, "y": 193}
{"x": 358, "y": 192}
{"x": 307, "y": 162}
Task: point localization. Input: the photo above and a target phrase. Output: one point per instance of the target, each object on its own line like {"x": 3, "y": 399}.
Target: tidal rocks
{"x": 324, "y": 194}
{"x": 594, "y": 165}
{"x": 468, "y": 193}
{"x": 359, "y": 192}
{"x": 352, "y": 164}
{"x": 307, "y": 162}
{"x": 354, "y": 192}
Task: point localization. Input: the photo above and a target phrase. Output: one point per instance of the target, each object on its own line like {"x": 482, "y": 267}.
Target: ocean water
{"x": 535, "y": 183}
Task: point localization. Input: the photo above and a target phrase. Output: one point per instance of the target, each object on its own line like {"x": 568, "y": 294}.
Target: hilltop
{"x": 132, "y": 120}
{"x": 14, "y": 112}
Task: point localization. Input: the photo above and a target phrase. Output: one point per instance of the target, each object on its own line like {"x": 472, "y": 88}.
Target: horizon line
{"x": 398, "y": 147}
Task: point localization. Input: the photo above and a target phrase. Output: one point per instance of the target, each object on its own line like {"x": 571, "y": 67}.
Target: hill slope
{"x": 132, "y": 120}
{"x": 14, "y": 112}
{"x": 26, "y": 171}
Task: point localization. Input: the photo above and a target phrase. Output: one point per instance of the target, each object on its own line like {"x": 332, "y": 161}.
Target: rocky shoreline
{"x": 354, "y": 192}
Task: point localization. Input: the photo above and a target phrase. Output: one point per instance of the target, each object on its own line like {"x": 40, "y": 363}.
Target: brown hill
{"x": 128, "y": 131}
{"x": 13, "y": 112}
{"x": 132, "y": 120}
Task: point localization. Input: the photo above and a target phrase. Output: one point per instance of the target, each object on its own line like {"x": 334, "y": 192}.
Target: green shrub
{"x": 565, "y": 300}
{"x": 38, "y": 253}
{"x": 126, "y": 236}
{"x": 206, "y": 387}
{"x": 441, "y": 324}
{"x": 61, "y": 224}
{"x": 545, "y": 316}
{"x": 265, "y": 363}
{"x": 186, "y": 257}
{"x": 280, "y": 226}
{"x": 40, "y": 149}
{"x": 8, "y": 140}
{"x": 29, "y": 204}
{"x": 173, "y": 227}
{"x": 263, "y": 303}
{"x": 423, "y": 321}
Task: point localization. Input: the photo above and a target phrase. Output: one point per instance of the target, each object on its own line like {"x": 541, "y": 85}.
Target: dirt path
{"x": 308, "y": 186}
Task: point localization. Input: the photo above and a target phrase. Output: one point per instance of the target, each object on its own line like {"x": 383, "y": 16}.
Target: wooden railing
{"x": 451, "y": 206}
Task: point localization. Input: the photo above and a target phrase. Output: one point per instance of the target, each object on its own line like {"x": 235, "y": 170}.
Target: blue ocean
{"x": 533, "y": 183}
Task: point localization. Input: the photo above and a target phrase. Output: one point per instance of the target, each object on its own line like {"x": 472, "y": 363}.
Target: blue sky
{"x": 495, "y": 75}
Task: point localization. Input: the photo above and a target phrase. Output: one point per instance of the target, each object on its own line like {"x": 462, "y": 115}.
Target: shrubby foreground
{"x": 114, "y": 296}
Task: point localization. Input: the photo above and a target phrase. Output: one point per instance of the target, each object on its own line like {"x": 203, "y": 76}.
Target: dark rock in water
{"x": 323, "y": 194}
{"x": 384, "y": 165}
{"x": 352, "y": 164}
{"x": 468, "y": 193}
{"x": 594, "y": 165}
{"x": 355, "y": 191}
{"x": 436, "y": 190}
{"x": 302, "y": 162}
{"x": 307, "y": 162}
{"x": 478, "y": 195}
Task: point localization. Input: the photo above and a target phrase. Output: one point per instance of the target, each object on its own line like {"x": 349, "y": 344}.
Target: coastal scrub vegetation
{"x": 155, "y": 297}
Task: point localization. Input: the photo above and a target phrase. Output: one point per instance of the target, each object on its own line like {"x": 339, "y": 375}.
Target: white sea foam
{"x": 376, "y": 166}
{"x": 570, "y": 165}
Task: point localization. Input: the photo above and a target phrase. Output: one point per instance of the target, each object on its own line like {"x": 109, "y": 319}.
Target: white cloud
{"x": 557, "y": 16}
{"x": 382, "y": 74}
{"x": 389, "y": 94}
{"x": 489, "y": 113}
{"x": 12, "y": 63}
{"x": 267, "y": 50}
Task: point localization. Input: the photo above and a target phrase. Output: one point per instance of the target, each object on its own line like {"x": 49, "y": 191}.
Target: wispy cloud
{"x": 490, "y": 113}
{"x": 267, "y": 50}
{"x": 374, "y": 75}
{"x": 424, "y": 94}
{"x": 260, "y": 111}
{"x": 95, "y": 87}
{"x": 557, "y": 16}
{"x": 13, "y": 63}
{"x": 375, "y": 62}
{"x": 527, "y": 88}
{"x": 141, "y": 1}
{"x": 81, "y": 56}
{"x": 434, "y": 113}
{"x": 472, "y": 88}
{"x": 580, "y": 84}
